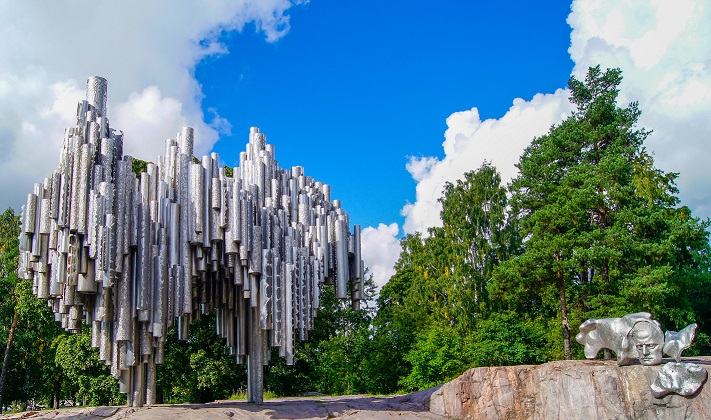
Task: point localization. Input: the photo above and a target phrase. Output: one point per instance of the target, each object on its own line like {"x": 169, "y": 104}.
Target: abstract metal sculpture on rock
{"x": 133, "y": 257}
{"x": 623, "y": 336}
{"x": 639, "y": 336}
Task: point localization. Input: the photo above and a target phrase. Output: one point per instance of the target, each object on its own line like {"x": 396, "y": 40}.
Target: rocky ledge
{"x": 570, "y": 390}
{"x": 354, "y": 407}
{"x": 576, "y": 389}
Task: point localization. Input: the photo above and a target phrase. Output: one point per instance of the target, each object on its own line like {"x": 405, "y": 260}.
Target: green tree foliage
{"x": 509, "y": 338}
{"x": 439, "y": 294}
{"x": 84, "y": 377}
{"x": 474, "y": 238}
{"x": 438, "y": 355}
{"x": 138, "y": 166}
{"x": 9, "y": 230}
{"x": 30, "y": 363}
{"x": 199, "y": 369}
{"x": 592, "y": 229}
{"x": 33, "y": 347}
{"x": 603, "y": 234}
{"x": 336, "y": 357}
{"x": 397, "y": 321}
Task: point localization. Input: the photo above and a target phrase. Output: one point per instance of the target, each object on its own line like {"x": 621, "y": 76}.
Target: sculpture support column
{"x": 255, "y": 364}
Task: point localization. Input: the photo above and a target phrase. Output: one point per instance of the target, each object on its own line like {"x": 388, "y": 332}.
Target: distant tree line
{"x": 590, "y": 228}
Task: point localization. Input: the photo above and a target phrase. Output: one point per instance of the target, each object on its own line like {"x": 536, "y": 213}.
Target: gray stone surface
{"x": 570, "y": 390}
{"x": 578, "y": 389}
{"x": 412, "y": 406}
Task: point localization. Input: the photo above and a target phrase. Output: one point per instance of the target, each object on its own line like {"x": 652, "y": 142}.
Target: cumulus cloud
{"x": 146, "y": 50}
{"x": 381, "y": 249}
{"x": 31, "y": 106}
{"x": 664, "y": 51}
{"x": 147, "y": 119}
{"x": 468, "y": 142}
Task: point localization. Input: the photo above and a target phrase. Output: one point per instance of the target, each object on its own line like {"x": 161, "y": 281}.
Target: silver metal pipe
{"x": 96, "y": 93}
{"x": 341, "y": 259}
{"x": 127, "y": 252}
{"x": 357, "y": 260}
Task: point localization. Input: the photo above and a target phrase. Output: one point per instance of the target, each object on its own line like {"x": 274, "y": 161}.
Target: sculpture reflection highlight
{"x": 676, "y": 342}
{"x": 622, "y": 335}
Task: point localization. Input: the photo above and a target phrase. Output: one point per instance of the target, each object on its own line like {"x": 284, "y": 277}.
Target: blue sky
{"x": 385, "y": 101}
{"x": 355, "y": 88}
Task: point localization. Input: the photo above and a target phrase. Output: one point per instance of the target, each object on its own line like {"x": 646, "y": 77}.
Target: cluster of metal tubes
{"x": 133, "y": 257}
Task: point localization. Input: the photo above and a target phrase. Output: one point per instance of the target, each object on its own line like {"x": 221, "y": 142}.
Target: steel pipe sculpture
{"x": 132, "y": 257}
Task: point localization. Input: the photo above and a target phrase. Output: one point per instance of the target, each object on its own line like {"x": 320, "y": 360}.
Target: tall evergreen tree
{"x": 603, "y": 233}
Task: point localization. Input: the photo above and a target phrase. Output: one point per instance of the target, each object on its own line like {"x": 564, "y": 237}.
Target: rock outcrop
{"x": 570, "y": 390}
{"x": 577, "y": 389}
{"x": 353, "y": 407}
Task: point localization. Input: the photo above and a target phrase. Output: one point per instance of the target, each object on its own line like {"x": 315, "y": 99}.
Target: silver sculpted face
{"x": 634, "y": 336}
{"x": 647, "y": 339}
{"x": 639, "y": 336}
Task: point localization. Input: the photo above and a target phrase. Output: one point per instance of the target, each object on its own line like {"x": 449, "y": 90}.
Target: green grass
{"x": 241, "y": 395}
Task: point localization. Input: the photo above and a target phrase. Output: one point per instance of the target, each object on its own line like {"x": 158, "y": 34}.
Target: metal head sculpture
{"x": 639, "y": 336}
{"x": 647, "y": 339}
{"x": 614, "y": 334}
{"x": 634, "y": 336}
{"x": 133, "y": 257}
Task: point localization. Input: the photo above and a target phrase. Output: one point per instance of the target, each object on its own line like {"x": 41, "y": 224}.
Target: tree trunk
{"x": 564, "y": 316}
{"x": 605, "y": 270}
{"x": 6, "y": 360}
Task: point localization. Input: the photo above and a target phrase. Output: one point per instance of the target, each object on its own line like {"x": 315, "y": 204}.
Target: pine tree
{"x": 604, "y": 235}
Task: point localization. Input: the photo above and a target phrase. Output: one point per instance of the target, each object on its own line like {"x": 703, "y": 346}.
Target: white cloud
{"x": 470, "y": 141}
{"x": 146, "y": 50}
{"x": 147, "y": 119}
{"x": 664, "y": 51}
{"x": 381, "y": 249}
{"x": 30, "y": 107}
